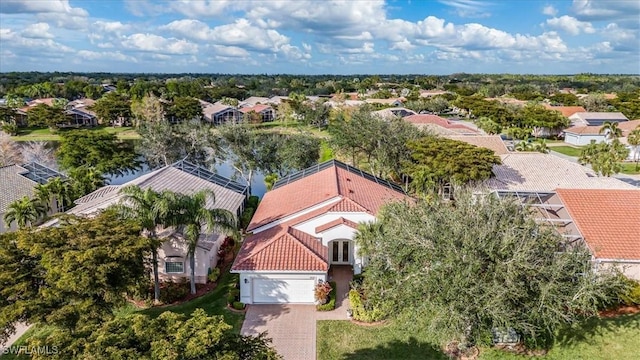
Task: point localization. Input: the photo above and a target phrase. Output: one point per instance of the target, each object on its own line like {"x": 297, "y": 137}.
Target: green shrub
{"x": 247, "y": 214}
{"x": 238, "y": 305}
{"x": 361, "y": 312}
{"x": 11, "y": 129}
{"x": 233, "y": 296}
{"x": 631, "y": 296}
{"x": 357, "y": 281}
{"x": 214, "y": 274}
{"x": 173, "y": 291}
{"x": 331, "y": 304}
{"x": 253, "y": 201}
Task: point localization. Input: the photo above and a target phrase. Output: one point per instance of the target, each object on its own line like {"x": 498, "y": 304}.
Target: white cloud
{"x": 18, "y": 43}
{"x": 37, "y": 31}
{"x": 571, "y": 25}
{"x": 111, "y": 26}
{"x": 550, "y": 10}
{"x": 158, "y": 44}
{"x": 40, "y": 6}
{"x": 109, "y": 56}
{"x": 468, "y": 8}
{"x": 606, "y": 10}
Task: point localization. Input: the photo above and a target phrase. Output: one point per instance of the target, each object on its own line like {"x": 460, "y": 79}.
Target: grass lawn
{"x": 568, "y": 150}
{"x": 214, "y": 303}
{"x": 595, "y": 339}
{"x": 39, "y": 134}
{"x": 630, "y": 168}
{"x": 326, "y": 153}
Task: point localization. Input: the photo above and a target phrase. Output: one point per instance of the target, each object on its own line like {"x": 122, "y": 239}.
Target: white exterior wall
{"x": 246, "y": 280}
{"x": 205, "y": 260}
{"x": 630, "y": 270}
{"x": 634, "y": 152}
{"x": 581, "y": 140}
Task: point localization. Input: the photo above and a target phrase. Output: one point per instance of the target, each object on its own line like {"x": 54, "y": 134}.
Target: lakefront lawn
{"x": 595, "y": 339}
{"x": 45, "y": 134}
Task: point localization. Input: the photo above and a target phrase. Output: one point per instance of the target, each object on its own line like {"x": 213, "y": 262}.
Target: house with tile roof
{"x": 218, "y": 114}
{"x": 185, "y": 178}
{"x": 439, "y": 125}
{"x": 491, "y": 142}
{"x": 537, "y": 172}
{"x": 305, "y": 225}
{"x": 566, "y": 111}
{"x": 596, "y": 118}
{"x": 583, "y": 135}
{"x": 265, "y": 112}
{"x": 18, "y": 181}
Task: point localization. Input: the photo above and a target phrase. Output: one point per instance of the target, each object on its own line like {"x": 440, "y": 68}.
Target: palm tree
{"x": 24, "y": 212}
{"x": 150, "y": 209}
{"x": 634, "y": 140}
{"x": 611, "y": 130}
{"x": 191, "y": 214}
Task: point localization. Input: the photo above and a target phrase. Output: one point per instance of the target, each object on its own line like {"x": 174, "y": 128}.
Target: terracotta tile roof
{"x": 627, "y": 126}
{"x": 347, "y": 205}
{"x": 491, "y": 142}
{"x": 609, "y": 220}
{"x": 334, "y": 223}
{"x": 435, "y": 120}
{"x": 566, "y": 111}
{"x": 584, "y": 130}
{"x": 545, "y": 173}
{"x": 282, "y": 248}
{"x": 363, "y": 190}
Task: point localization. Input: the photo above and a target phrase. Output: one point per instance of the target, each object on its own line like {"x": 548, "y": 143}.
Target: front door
{"x": 340, "y": 252}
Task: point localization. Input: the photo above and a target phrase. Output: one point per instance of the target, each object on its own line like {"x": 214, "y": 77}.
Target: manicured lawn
{"x": 325, "y": 151}
{"x": 33, "y": 134}
{"x": 22, "y": 341}
{"x": 568, "y": 150}
{"x": 596, "y": 339}
{"x": 630, "y": 168}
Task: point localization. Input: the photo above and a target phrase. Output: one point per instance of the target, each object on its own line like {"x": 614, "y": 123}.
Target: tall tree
{"x": 112, "y": 106}
{"x": 149, "y": 209}
{"x": 185, "y": 109}
{"x": 149, "y": 109}
{"x": 25, "y": 212}
{"x": 611, "y": 130}
{"x": 605, "y": 157}
{"x": 45, "y": 115}
{"x": 634, "y": 140}
{"x": 192, "y": 213}
{"x": 96, "y": 149}
{"x": 466, "y": 268}
{"x": 436, "y": 162}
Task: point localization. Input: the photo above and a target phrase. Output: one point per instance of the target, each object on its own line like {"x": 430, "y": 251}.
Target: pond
{"x": 258, "y": 187}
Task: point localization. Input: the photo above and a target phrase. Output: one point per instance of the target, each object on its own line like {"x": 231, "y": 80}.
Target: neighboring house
{"x": 253, "y": 101}
{"x": 389, "y": 102}
{"x": 537, "y": 172}
{"x": 605, "y": 220}
{"x": 78, "y": 113}
{"x": 432, "y": 93}
{"x": 395, "y": 112}
{"x": 218, "y": 114}
{"x": 627, "y": 127}
{"x": 181, "y": 177}
{"x": 491, "y": 142}
{"x": 566, "y": 111}
{"x": 18, "y": 181}
{"x": 277, "y": 100}
{"x": 583, "y": 135}
{"x": 440, "y": 126}
{"x": 305, "y": 225}
{"x": 596, "y": 118}
{"x": 266, "y": 112}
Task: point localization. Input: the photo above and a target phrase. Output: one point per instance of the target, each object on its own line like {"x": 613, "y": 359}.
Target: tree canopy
{"x": 465, "y": 268}
{"x": 604, "y": 157}
{"x": 435, "y": 162}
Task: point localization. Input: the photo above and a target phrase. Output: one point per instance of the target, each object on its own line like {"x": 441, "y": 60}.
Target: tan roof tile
{"x": 435, "y": 121}
{"x": 491, "y": 142}
{"x": 566, "y": 111}
{"x": 609, "y": 220}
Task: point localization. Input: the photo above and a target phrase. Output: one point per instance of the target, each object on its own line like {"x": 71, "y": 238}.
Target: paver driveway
{"x": 293, "y": 327}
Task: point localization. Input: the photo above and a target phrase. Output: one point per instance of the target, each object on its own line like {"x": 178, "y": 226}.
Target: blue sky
{"x": 321, "y": 37}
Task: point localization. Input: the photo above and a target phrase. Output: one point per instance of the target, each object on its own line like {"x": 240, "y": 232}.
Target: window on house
{"x": 173, "y": 267}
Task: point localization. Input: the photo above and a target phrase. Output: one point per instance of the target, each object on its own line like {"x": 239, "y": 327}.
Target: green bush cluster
{"x": 214, "y": 274}
{"x": 631, "y": 295}
{"x": 360, "y": 312}
{"x": 171, "y": 291}
{"x": 238, "y": 305}
{"x": 249, "y": 210}
{"x": 233, "y": 296}
{"x": 331, "y": 304}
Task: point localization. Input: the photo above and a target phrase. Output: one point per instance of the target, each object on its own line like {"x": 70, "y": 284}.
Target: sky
{"x": 321, "y": 36}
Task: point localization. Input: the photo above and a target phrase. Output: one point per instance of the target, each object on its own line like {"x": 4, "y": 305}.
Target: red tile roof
{"x": 282, "y": 248}
{"x": 421, "y": 119}
{"x": 609, "y": 220}
{"x": 334, "y": 223}
{"x": 311, "y": 190}
{"x": 584, "y": 130}
{"x": 566, "y": 111}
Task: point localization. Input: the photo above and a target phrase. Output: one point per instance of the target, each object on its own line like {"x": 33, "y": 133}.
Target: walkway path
{"x": 293, "y": 327}
{"x": 21, "y": 328}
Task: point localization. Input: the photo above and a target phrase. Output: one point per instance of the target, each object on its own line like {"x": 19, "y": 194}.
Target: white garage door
{"x": 281, "y": 291}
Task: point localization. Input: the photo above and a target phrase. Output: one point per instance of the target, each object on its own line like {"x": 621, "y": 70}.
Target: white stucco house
{"x": 583, "y": 135}
{"x": 305, "y": 225}
{"x": 181, "y": 177}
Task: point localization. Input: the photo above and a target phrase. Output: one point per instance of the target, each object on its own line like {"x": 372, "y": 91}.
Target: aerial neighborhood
{"x": 300, "y": 180}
